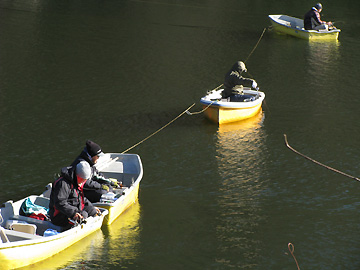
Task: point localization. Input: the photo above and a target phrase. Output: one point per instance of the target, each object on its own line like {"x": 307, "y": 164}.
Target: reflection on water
{"x": 85, "y": 250}
{"x": 240, "y": 161}
{"x": 123, "y": 236}
{"x": 323, "y": 58}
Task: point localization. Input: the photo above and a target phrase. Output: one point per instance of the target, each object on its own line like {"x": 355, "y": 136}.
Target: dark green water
{"x": 233, "y": 198}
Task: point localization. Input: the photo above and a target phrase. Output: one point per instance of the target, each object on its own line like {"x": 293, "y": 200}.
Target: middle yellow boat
{"x": 127, "y": 169}
{"x": 222, "y": 111}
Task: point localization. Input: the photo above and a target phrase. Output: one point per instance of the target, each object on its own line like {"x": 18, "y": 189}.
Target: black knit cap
{"x": 93, "y": 149}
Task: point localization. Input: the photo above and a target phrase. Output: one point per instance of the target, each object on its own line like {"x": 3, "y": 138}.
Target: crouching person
{"x": 67, "y": 201}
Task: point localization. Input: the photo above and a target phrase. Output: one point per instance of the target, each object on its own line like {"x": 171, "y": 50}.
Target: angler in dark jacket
{"x": 312, "y": 19}
{"x": 67, "y": 200}
{"x": 234, "y": 82}
{"x": 97, "y": 184}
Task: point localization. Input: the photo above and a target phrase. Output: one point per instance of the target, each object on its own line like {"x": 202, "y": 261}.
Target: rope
{"x": 255, "y": 45}
{"x": 203, "y": 110}
{"x": 291, "y": 249}
{"x": 318, "y": 163}
{"x": 152, "y": 134}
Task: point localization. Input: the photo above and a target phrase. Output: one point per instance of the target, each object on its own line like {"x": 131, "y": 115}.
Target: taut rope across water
{"x": 318, "y": 163}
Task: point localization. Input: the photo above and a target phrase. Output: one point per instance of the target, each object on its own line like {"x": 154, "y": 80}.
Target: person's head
{"x": 83, "y": 172}
{"x": 318, "y": 6}
{"x": 93, "y": 150}
{"x": 240, "y": 66}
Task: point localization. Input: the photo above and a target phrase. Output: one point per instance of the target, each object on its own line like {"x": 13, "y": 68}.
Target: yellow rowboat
{"x": 295, "y": 27}
{"x": 126, "y": 168}
{"x": 25, "y": 240}
{"x": 222, "y": 111}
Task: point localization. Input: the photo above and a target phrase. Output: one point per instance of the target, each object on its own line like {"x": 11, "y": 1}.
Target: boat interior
{"x": 16, "y": 227}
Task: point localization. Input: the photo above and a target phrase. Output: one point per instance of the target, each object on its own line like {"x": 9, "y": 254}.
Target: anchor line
{"x": 157, "y": 131}
{"x": 319, "y": 163}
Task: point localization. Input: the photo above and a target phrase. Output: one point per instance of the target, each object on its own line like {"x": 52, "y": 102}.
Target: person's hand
{"x": 78, "y": 217}
{"x": 254, "y": 84}
{"x": 105, "y": 187}
{"x": 114, "y": 182}
{"x": 98, "y": 212}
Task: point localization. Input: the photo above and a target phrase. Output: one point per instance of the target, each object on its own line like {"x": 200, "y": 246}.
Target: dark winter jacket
{"x": 66, "y": 198}
{"x": 312, "y": 19}
{"x": 233, "y": 79}
{"x": 93, "y": 186}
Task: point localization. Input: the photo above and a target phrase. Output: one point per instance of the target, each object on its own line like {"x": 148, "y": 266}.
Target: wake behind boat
{"x": 223, "y": 111}
{"x": 295, "y": 27}
{"x": 26, "y": 240}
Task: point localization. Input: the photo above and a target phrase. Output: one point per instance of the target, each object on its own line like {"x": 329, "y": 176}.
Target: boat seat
{"x": 19, "y": 236}
{"x": 41, "y": 225}
{"x": 21, "y": 226}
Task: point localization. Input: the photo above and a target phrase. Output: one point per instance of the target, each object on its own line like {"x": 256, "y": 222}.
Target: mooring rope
{"x": 152, "y": 134}
{"x": 256, "y": 45}
{"x": 318, "y": 163}
{"x": 291, "y": 249}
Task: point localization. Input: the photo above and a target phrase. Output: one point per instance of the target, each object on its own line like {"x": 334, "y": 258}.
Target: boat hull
{"x": 227, "y": 115}
{"x": 294, "y": 27}
{"x": 128, "y": 169}
{"x": 222, "y": 112}
{"x": 26, "y": 252}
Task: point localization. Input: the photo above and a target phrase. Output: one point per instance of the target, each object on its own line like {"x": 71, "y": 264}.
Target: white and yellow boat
{"x": 25, "y": 241}
{"x": 127, "y": 169}
{"x": 222, "y": 111}
{"x": 295, "y": 27}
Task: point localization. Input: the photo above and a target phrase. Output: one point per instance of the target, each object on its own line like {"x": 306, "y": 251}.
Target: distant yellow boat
{"x": 126, "y": 168}
{"x": 295, "y": 27}
{"x": 222, "y": 111}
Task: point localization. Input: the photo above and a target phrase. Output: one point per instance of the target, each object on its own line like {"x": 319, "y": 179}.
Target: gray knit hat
{"x": 83, "y": 170}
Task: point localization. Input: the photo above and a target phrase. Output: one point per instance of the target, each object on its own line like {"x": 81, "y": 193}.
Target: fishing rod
{"x": 318, "y": 163}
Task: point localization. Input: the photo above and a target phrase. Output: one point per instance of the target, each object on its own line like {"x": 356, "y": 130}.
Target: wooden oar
{"x": 318, "y": 163}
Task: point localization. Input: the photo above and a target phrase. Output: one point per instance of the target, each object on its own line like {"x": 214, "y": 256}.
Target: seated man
{"x": 97, "y": 184}
{"x": 234, "y": 82}
{"x": 67, "y": 200}
{"x": 312, "y": 20}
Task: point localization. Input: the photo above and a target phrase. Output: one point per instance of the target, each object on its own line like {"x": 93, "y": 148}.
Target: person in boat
{"x": 97, "y": 184}
{"x": 67, "y": 200}
{"x": 312, "y": 19}
{"x": 234, "y": 82}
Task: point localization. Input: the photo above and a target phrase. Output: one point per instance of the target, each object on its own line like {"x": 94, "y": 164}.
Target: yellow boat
{"x": 222, "y": 111}
{"x": 126, "y": 168}
{"x": 295, "y": 27}
{"x": 25, "y": 241}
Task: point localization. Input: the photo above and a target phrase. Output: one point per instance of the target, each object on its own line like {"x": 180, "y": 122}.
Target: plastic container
{"x": 108, "y": 197}
{"x": 50, "y": 232}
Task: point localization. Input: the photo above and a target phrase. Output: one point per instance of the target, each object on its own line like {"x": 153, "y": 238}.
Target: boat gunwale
{"x": 234, "y": 105}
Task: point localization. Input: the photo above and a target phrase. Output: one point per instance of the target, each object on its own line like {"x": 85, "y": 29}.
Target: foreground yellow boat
{"x": 222, "y": 111}
{"x": 295, "y": 27}
{"x": 126, "y": 168}
{"x": 25, "y": 240}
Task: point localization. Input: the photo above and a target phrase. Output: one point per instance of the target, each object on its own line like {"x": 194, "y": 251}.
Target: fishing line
{"x": 318, "y": 163}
